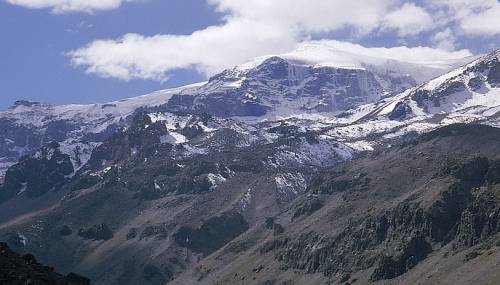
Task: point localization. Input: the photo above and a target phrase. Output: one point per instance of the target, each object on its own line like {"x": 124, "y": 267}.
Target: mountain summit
{"x": 279, "y": 171}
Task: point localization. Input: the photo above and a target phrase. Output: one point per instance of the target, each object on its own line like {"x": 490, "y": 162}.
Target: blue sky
{"x": 60, "y": 54}
{"x": 34, "y": 67}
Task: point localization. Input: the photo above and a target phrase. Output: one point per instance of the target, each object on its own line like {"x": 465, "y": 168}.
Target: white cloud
{"x": 409, "y": 20}
{"x": 469, "y": 17}
{"x": 419, "y": 55}
{"x": 422, "y": 63}
{"x": 309, "y": 15}
{"x": 137, "y": 57}
{"x": 485, "y": 23}
{"x": 260, "y": 27}
{"x": 445, "y": 39}
{"x": 251, "y": 29}
{"x": 70, "y": 6}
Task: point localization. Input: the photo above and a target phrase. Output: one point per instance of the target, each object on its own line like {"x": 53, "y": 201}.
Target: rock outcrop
{"x": 21, "y": 270}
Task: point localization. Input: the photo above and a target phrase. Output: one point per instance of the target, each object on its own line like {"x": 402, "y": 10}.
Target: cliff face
{"x": 396, "y": 239}
{"x": 38, "y": 173}
{"x": 397, "y": 217}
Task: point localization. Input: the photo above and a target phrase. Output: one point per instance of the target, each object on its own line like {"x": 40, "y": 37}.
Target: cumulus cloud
{"x": 409, "y": 20}
{"x": 137, "y": 57}
{"x": 69, "y": 6}
{"x": 309, "y": 15}
{"x": 469, "y": 17}
{"x": 338, "y": 49}
{"x": 484, "y": 23}
{"x": 261, "y": 27}
{"x": 445, "y": 39}
{"x": 251, "y": 28}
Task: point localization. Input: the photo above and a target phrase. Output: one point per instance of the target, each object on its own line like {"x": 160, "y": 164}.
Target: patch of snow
{"x": 194, "y": 150}
{"x": 5, "y": 163}
{"x": 157, "y": 187}
{"x": 245, "y": 200}
{"x": 215, "y": 180}
{"x": 360, "y": 146}
{"x": 23, "y": 189}
{"x": 22, "y": 239}
{"x": 78, "y": 152}
{"x": 133, "y": 150}
{"x": 173, "y": 138}
{"x": 290, "y": 183}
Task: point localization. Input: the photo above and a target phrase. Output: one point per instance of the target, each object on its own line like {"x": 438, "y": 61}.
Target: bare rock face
{"x": 213, "y": 234}
{"x": 36, "y": 174}
{"x": 96, "y": 232}
{"x": 459, "y": 87}
{"x": 65, "y": 231}
{"x": 400, "y": 112}
{"x": 308, "y": 208}
{"x": 277, "y": 82}
{"x": 391, "y": 242}
{"x": 19, "y": 270}
{"x": 494, "y": 73}
{"x": 413, "y": 252}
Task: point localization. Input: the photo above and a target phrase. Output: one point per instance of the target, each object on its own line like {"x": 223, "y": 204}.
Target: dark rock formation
{"x": 38, "y": 173}
{"x": 475, "y": 83}
{"x": 154, "y": 275}
{"x": 413, "y": 252}
{"x": 21, "y": 270}
{"x": 400, "y": 112}
{"x": 158, "y": 231}
{"x": 258, "y": 89}
{"x": 132, "y": 233}
{"x": 96, "y": 232}
{"x": 213, "y": 234}
{"x": 277, "y": 229}
{"x": 308, "y": 208}
{"x": 337, "y": 182}
{"x": 494, "y": 73}
{"x": 394, "y": 240}
{"x": 65, "y": 231}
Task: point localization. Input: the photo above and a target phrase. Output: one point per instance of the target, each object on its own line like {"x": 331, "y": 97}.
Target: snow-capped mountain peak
{"x": 420, "y": 66}
{"x": 474, "y": 85}
{"x": 469, "y": 94}
{"x": 316, "y": 80}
